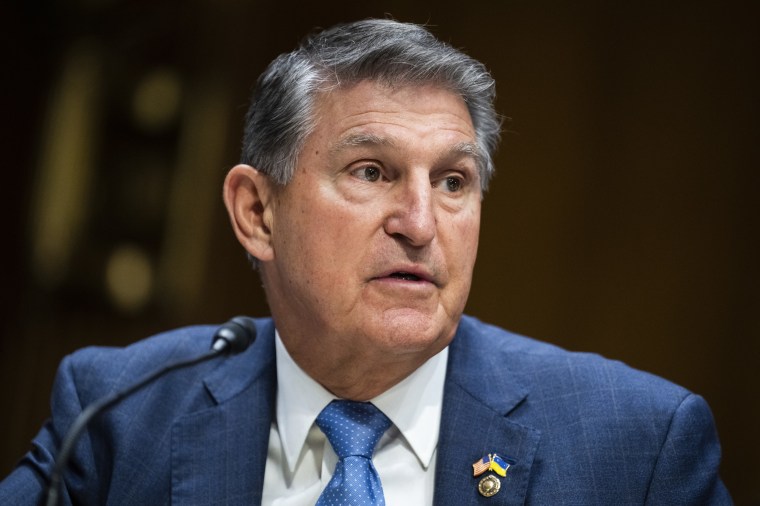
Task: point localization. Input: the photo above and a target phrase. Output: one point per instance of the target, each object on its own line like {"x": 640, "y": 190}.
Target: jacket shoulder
{"x": 554, "y": 371}
{"x": 136, "y": 433}
{"x": 629, "y": 436}
{"x": 110, "y": 367}
{"x": 97, "y": 370}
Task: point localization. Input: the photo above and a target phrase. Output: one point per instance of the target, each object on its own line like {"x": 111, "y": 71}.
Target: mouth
{"x": 406, "y": 276}
{"x": 415, "y": 275}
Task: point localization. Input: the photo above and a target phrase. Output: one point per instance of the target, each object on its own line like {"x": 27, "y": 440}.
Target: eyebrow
{"x": 468, "y": 149}
{"x": 365, "y": 139}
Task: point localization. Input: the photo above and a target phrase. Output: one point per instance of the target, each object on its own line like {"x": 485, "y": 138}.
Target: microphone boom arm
{"x": 84, "y": 418}
{"x": 233, "y": 337}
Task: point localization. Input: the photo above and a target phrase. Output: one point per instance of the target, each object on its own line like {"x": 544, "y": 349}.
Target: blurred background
{"x": 623, "y": 218}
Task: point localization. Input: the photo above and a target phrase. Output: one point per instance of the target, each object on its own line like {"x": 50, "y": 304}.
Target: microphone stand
{"x": 233, "y": 337}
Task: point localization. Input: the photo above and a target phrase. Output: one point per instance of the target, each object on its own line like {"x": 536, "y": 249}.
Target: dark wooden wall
{"x": 623, "y": 219}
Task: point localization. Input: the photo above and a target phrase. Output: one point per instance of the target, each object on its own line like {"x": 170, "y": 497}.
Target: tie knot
{"x": 353, "y": 428}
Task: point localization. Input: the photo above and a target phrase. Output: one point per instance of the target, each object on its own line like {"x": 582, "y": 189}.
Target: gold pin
{"x": 489, "y": 486}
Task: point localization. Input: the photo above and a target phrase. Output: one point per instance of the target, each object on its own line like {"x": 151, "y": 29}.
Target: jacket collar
{"x": 479, "y": 394}
{"x": 220, "y": 452}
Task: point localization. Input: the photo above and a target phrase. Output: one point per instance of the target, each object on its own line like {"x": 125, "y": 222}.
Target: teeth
{"x": 405, "y": 276}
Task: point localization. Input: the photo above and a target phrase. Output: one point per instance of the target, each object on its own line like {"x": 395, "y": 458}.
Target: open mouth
{"x": 406, "y": 276}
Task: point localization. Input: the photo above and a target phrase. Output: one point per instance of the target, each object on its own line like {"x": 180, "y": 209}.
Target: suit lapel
{"x": 219, "y": 454}
{"x": 474, "y": 423}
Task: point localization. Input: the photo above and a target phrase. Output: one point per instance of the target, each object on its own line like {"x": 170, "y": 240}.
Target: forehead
{"x": 370, "y": 107}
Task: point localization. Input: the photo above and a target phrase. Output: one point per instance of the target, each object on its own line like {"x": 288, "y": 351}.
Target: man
{"x": 365, "y": 158}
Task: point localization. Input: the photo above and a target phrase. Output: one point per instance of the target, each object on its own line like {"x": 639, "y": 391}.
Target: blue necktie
{"x": 353, "y": 429}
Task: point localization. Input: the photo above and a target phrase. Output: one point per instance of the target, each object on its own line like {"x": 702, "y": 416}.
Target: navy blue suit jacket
{"x": 578, "y": 428}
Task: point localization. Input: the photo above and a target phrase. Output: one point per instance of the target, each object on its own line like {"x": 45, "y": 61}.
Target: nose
{"x": 412, "y": 214}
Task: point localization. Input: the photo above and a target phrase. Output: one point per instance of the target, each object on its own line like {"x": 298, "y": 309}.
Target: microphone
{"x": 235, "y": 336}
{"x": 231, "y": 338}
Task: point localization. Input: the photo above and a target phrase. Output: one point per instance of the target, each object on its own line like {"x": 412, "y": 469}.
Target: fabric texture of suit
{"x": 579, "y": 429}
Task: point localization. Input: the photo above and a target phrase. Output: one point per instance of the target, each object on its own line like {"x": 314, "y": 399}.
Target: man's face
{"x": 375, "y": 237}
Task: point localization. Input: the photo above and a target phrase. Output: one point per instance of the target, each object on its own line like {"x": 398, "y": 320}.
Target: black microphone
{"x": 233, "y": 337}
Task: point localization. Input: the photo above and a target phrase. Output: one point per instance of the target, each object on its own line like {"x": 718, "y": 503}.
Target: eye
{"x": 451, "y": 184}
{"x": 368, "y": 173}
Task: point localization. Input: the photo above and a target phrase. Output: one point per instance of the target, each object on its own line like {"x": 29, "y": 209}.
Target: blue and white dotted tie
{"x": 353, "y": 429}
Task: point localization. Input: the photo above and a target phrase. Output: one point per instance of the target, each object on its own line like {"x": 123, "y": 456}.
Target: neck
{"x": 358, "y": 376}
{"x": 358, "y": 381}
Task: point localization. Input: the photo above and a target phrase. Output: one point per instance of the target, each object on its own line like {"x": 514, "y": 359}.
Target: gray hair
{"x": 281, "y": 117}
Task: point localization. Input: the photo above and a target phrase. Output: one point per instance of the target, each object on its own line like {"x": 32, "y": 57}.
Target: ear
{"x": 248, "y": 196}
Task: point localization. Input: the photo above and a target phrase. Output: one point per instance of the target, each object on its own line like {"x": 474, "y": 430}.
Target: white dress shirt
{"x": 300, "y": 461}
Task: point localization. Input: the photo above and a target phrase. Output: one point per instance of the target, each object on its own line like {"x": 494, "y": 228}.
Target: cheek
{"x": 326, "y": 239}
{"x": 463, "y": 239}
{"x": 339, "y": 234}
{"x": 460, "y": 251}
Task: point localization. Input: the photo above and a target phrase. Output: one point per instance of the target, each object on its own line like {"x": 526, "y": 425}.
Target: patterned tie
{"x": 353, "y": 429}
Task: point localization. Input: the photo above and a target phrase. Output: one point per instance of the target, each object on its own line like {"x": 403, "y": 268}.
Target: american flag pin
{"x": 492, "y": 462}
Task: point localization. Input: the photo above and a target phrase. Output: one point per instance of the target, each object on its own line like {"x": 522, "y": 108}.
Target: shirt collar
{"x": 413, "y": 405}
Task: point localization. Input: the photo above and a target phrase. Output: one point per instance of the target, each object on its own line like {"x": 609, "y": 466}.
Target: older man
{"x": 366, "y": 154}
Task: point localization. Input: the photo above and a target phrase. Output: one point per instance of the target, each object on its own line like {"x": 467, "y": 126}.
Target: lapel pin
{"x": 490, "y": 485}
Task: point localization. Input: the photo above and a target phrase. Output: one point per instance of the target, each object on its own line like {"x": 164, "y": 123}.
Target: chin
{"x": 409, "y": 331}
